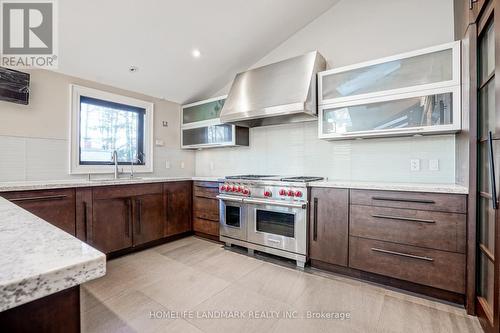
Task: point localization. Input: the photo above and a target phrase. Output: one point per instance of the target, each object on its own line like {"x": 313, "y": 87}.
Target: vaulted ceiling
{"x": 99, "y": 40}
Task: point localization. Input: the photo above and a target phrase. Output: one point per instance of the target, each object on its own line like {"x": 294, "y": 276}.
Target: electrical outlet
{"x": 434, "y": 165}
{"x": 415, "y": 165}
{"x": 167, "y": 165}
{"x": 159, "y": 143}
{"x": 182, "y": 165}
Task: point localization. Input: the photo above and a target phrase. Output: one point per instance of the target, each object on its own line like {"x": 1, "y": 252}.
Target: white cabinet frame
{"x": 455, "y": 126}
{"x": 440, "y": 87}
{"x": 205, "y": 123}
{"x": 454, "y": 46}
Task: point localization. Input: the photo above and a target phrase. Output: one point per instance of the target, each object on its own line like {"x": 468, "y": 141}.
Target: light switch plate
{"x": 159, "y": 143}
{"x": 167, "y": 165}
{"x": 434, "y": 165}
{"x": 212, "y": 166}
{"x": 182, "y": 165}
{"x": 415, "y": 165}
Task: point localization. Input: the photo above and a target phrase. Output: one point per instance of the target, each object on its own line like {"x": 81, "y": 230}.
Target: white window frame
{"x": 74, "y": 164}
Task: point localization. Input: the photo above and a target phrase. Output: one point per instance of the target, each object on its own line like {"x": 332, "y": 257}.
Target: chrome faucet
{"x": 134, "y": 160}
{"x": 114, "y": 158}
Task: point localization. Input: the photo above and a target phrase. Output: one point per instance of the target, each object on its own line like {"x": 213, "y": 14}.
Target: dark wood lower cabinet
{"x": 206, "y": 209}
{"x": 435, "y": 268}
{"x": 329, "y": 220}
{"x": 56, "y": 313}
{"x": 177, "y": 198}
{"x": 149, "y": 218}
{"x": 54, "y": 206}
{"x": 111, "y": 224}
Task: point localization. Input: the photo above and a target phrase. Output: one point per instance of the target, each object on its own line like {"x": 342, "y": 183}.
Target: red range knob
{"x": 234, "y": 189}
{"x": 290, "y": 193}
{"x": 267, "y": 194}
{"x": 282, "y": 192}
{"x": 239, "y": 189}
{"x": 222, "y": 188}
{"x": 298, "y": 194}
{"x": 246, "y": 191}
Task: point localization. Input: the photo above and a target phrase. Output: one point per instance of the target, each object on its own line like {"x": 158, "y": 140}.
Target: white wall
{"x": 351, "y": 31}
{"x": 34, "y": 138}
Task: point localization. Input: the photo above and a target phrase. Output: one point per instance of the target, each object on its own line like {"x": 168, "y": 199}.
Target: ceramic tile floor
{"x": 192, "y": 279}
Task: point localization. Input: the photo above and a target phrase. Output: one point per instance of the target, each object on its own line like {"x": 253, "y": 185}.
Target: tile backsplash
{"x": 296, "y": 150}
{"x": 48, "y": 159}
{"x": 287, "y": 149}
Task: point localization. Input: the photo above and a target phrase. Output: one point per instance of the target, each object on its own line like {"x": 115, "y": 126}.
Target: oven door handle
{"x": 275, "y": 203}
{"x": 229, "y": 198}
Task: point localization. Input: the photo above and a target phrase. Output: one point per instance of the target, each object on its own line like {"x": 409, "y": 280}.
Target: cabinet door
{"x": 149, "y": 218}
{"x": 392, "y": 115}
{"x": 111, "y": 224}
{"x": 54, "y": 206}
{"x": 329, "y": 225}
{"x": 202, "y": 111}
{"x": 178, "y": 202}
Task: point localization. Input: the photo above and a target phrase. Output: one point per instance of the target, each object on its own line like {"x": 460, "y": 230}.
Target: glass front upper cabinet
{"x": 411, "y": 93}
{"x": 201, "y": 126}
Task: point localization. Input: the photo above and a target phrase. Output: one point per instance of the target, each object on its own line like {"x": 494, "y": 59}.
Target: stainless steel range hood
{"x": 280, "y": 93}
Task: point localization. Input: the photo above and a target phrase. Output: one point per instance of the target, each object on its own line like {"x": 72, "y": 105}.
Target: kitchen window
{"x": 103, "y": 123}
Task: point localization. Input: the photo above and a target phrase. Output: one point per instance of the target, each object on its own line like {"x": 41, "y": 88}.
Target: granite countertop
{"x": 38, "y": 259}
{"x": 388, "y": 186}
{"x": 69, "y": 183}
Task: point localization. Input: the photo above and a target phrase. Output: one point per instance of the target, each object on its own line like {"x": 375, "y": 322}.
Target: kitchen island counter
{"x": 38, "y": 259}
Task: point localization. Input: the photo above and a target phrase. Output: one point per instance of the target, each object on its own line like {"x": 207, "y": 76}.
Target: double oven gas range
{"x": 266, "y": 213}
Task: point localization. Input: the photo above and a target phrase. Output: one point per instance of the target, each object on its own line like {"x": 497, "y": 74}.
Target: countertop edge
{"x": 427, "y": 188}
{"x": 384, "y": 186}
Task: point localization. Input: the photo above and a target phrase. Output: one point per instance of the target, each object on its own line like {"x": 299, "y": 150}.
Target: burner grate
{"x": 302, "y": 179}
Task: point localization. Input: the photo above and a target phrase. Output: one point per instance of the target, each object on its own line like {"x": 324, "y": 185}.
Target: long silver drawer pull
{"x": 41, "y": 198}
{"x": 404, "y": 200}
{"x": 228, "y": 198}
{"x": 389, "y": 217}
{"x": 402, "y": 254}
{"x": 276, "y": 203}
{"x": 274, "y": 241}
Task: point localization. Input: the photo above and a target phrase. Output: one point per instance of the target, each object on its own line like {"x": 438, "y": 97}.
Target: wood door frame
{"x": 489, "y": 319}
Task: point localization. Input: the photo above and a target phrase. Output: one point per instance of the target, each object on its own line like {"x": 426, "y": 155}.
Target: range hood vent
{"x": 280, "y": 93}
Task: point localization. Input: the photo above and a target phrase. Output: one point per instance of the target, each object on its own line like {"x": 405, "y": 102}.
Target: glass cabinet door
{"x": 409, "y": 71}
{"x": 406, "y": 113}
{"x": 208, "y": 135}
{"x": 487, "y": 164}
{"x": 202, "y": 112}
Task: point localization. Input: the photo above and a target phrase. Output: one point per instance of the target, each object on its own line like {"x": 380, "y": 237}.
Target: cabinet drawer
{"x": 435, "y": 230}
{"x": 123, "y": 191}
{"x": 54, "y": 206}
{"x": 439, "y": 269}
{"x": 206, "y": 184}
{"x": 206, "y": 192}
{"x": 454, "y": 203}
{"x": 206, "y": 226}
{"x": 206, "y": 208}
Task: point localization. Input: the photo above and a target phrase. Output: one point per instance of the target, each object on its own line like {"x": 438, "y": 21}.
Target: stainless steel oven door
{"x": 232, "y": 212}
{"x": 280, "y": 225}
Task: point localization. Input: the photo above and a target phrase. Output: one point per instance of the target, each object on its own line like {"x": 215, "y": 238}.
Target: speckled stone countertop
{"x": 38, "y": 259}
{"x": 387, "y": 186}
{"x": 69, "y": 183}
